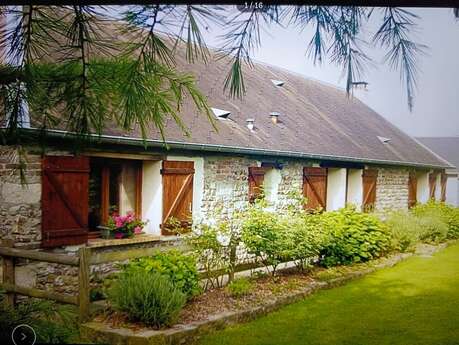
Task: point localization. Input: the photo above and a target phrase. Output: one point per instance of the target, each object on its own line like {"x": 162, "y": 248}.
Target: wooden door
{"x": 315, "y": 188}
{"x": 65, "y": 200}
{"x": 256, "y": 179}
{"x": 432, "y": 185}
{"x": 177, "y": 194}
{"x": 444, "y": 180}
{"x": 412, "y": 189}
{"x": 369, "y": 178}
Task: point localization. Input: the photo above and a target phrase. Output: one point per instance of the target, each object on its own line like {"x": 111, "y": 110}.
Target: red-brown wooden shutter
{"x": 412, "y": 189}
{"x": 444, "y": 180}
{"x": 177, "y": 193}
{"x": 315, "y": 188}
{"x": 432, "y": 185}
{"x": 369, "y": 178}
{"x": 65, "y": 200}
{"x": 256, "y": 179}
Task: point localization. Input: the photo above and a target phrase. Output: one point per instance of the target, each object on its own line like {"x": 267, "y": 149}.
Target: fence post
{"x": 83, "y": 282}
{"x": 8, "y": 273}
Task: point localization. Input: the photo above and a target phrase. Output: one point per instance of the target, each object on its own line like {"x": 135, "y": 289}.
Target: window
{"x": 114, "y": 186}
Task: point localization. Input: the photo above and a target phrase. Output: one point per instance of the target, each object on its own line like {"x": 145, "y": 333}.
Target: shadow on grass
{"x": 416, "y": 302}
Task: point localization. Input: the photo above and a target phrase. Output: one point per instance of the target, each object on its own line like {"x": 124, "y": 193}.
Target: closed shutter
{"x": 432, "y": 185}
{"x": 444, "y": 180}
{"x": 315, "y": 188}
{"x": 177, "y": 194}
{"x": 65, "y": 200}
{"x": 369, "y": 178}
{"x": 256, "y": 179}
{"x": 412, "y": 189}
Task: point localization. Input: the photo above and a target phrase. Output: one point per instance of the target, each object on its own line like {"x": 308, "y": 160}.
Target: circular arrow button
{"x": 23, "y": 335}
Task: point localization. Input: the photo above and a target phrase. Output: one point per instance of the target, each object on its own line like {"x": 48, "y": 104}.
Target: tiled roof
{"x": 446, "y": 147}
{"x": 315, "y": 118}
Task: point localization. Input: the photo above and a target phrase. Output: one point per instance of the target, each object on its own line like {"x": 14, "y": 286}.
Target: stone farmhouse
{"x": 288, "y": 134}
{"x": 448, "y": 148}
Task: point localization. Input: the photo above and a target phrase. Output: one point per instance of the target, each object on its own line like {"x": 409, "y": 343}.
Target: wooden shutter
{"x": 256, "y": 179}
{"x": 444, "y": 180}
{"x": 65, "y": 187}
{"x": 369, "y": 178}
{"x": 432, "y": 185}
{"x": 315, "y": 188}
{"x": 412, "y": 189}
{"x": 177, "y": 193}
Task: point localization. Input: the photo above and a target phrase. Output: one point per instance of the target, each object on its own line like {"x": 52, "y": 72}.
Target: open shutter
{"x": 369, "y": 178}
{"x": 432, "y": 185}
{"x": 444, "y": 180}
{"x": 256, "y": 179}
{"x": 315, "y": 188}
{"x": 412, "y": 189}
{"x": 177, "y": 193}
{"x": 65, "y": 200}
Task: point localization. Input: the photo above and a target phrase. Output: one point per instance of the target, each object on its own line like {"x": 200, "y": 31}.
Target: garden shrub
{"x": 447, "y": 213}
{"x": 53, "y": 323}
{"x": 178, "y": 267}
{"x": 434, "y": 229}
{"x": 148, "y": 297}
{"x": 352, "y": 236}
{"x": 214, "y": 243}
{"x": 406, "y": 230}
{"x": 304, "y": 238}
{"x": 239, "y": 287}
{"x": 265, "y": 236}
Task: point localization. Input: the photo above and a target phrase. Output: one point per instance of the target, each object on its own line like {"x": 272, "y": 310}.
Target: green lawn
{"x": 413, "y": 303}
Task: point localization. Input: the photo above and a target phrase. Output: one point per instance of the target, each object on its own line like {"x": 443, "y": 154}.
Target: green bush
{"x": 352, "y": 237}
{"x": 148, "y": 297}
{"x": 53, "y": 323}
{"x": 265, "y": 236}
{"x": 406, "y": 230}
{"x": 304, "y": 238}
{"x": 179, "y": 268}
{"x": 434, "y": 229}
{"x": 239, "y": 287}
{"x": 447, "y": 213}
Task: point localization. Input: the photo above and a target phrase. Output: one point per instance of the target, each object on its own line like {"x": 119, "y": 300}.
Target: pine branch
{"x": 402, "y": 52}
{"x": 242, "y": 38}
{"x": 192, "y": 19}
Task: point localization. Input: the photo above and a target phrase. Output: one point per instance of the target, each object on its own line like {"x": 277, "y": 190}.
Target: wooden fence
{"x": 86, "y": 257}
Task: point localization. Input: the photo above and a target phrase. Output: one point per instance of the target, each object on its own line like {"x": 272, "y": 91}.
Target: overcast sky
{"x": 436, "y": 109}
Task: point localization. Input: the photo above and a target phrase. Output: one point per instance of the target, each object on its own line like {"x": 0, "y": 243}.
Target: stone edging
{"x": 99, "y": 332}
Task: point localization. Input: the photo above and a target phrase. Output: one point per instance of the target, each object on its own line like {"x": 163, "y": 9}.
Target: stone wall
{"x": 20, "y": 209}
{"x": 292, "y": 182}
{"x": 226, "y": 184}
{"x": 391, "y": 189}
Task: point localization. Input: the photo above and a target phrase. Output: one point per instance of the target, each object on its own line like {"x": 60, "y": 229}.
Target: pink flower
{"x": 118, "y": 235}
{"x": 137, "y": 230}
{"x": 118, "y": 222}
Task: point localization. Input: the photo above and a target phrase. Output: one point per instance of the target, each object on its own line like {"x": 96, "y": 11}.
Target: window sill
{"x": 100, "y": 242}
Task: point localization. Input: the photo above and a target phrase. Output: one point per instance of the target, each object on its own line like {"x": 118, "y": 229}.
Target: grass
{"x": 415, "y": 302}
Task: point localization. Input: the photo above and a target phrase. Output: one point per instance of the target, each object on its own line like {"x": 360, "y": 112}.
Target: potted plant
{"x": 125, "y": 226}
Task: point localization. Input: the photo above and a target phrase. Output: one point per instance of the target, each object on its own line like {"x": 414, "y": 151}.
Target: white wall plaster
{"x": 336, "y": 188}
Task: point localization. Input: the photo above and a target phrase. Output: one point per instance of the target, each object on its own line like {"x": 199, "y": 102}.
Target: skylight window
{"x": 384, "y": 140}
{"x": 278, "y": 83}
{"x": 220, "y": 113}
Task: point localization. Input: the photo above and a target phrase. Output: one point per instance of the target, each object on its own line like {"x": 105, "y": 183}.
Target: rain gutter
{"x": 177, "y": 145}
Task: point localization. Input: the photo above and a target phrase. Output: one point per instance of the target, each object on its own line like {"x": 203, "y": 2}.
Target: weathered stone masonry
{"x": 392, "y": 188}
{"x": 20, "y": 208}
{"x": 225, "y": 188}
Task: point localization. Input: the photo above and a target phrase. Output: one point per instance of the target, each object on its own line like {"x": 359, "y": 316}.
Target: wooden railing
{"x": 87, "y": 256}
